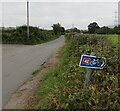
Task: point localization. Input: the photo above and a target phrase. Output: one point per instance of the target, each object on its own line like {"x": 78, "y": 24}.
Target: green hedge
{"x": 103, "y": 92}
{"x": 19, "y": 35}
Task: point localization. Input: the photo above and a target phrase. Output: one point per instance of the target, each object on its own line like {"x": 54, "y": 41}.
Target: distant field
{"x": 113, "y": 38}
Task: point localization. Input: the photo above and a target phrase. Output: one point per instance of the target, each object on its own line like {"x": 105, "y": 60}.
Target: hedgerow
{"x": 63, "y": 87}
{"x": 19, "y": 35}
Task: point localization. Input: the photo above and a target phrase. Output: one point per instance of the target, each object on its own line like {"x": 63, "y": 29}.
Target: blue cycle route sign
{"x": 89, "y": 61}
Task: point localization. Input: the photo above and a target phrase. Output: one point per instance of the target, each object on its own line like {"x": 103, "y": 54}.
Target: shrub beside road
{"x": 62, "y": 88}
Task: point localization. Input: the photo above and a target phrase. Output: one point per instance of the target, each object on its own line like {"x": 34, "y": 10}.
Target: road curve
{"x": 19, "y": 61}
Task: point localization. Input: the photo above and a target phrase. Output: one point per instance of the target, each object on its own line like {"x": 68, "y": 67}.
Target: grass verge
{"x": 49, "y": 81}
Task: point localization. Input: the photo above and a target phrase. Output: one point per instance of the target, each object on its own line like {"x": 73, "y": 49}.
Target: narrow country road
{"x": 19, "y": 61}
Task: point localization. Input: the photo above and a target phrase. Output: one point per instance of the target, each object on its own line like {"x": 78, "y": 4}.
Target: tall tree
{"x": 92, "y": 27}
{"x": 62, "y": 29}
{"x": 56, "y": 28}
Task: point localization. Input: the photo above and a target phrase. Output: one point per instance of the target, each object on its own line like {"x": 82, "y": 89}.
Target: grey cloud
{"x": 45, "y": 14}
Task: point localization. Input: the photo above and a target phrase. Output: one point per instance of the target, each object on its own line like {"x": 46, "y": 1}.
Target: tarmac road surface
{"x": 20, "y": 61}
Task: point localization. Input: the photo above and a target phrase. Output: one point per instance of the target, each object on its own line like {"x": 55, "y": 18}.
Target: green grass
{"x": 113, "y": 38}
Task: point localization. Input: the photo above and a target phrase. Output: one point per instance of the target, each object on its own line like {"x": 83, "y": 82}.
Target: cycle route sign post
{"x": 91, "y": 62}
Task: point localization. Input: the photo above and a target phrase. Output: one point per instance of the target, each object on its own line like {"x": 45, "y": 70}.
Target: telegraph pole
{"x": 2, "y": 17}
{"x": 115, "y": 21}
{"x": 27, "y": 19}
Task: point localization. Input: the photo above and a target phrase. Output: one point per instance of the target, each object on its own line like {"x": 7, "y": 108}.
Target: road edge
{"x": 19, "y": 99}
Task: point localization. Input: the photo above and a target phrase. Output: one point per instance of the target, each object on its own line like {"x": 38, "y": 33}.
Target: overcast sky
{"x": 44, "y": 14}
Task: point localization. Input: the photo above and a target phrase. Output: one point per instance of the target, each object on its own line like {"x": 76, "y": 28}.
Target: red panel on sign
{"x": 86, "y": 61}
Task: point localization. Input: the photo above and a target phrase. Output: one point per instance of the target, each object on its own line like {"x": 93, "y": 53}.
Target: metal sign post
{"x": 91, "y": 62}
{"x": 88, "y": 75}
